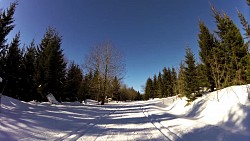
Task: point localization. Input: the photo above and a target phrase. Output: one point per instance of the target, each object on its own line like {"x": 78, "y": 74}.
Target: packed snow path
{"x": 75, "y": 121}
{"x": 123, "y": 122}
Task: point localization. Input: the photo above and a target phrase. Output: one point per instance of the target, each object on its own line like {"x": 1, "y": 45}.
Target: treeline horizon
{"x": 224, "y": 61}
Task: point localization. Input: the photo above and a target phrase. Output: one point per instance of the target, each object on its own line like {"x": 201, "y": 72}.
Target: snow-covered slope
{"x": 231, "y": 104}
{"x": 228, "y": 109}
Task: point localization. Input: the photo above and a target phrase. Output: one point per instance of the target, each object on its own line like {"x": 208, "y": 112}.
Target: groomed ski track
{"x": 130, "y": 121}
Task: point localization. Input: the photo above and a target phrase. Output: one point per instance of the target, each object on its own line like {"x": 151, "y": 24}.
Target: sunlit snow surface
{"x": 223, "y": 115}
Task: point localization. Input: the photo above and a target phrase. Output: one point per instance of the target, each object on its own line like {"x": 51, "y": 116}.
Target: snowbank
{"x": 229, "y": 107}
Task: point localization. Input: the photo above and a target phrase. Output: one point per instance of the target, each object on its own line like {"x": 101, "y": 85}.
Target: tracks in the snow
{"x": 165, "y": 131}
{"x": 85, "y": 128}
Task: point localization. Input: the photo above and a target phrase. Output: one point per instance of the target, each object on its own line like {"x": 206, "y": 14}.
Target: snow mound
{"x": 9, "y": 103}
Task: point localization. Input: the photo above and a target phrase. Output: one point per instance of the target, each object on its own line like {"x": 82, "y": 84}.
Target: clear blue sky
{"x": 152, "y": 34}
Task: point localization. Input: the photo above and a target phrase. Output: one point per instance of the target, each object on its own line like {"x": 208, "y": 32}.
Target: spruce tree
{"x": 166, "y": 82}
{"x": 95, "y": 86}
{"x": 138, "y": 96}
{"x": 72, "y": 83}
{"x": 206, "y": 43}
{"x": 173, "y": 82}
{"x": 232, "y": 50}
{"x": 246, "y": 28}
{"x": 28, "y": 73}
{"x": 116, "y": 89}
{"x": 245, "y": 24}
{"x": 86, "y": 90}
{"x": 202, "y": 77}
{"x": 160, "y": 87}
{"x": 191, "y": 88}
{"x": 148, "y": 89}
{"x": 155, "y": 87}
{"x": 12, "y": 69}
{"x": 181, "y": 85}
{"x": 6, "y": 25}
{"x": 169, "y": 88}
{"x": 51, "y": 67}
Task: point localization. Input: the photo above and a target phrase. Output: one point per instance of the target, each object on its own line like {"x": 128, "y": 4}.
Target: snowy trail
{"x": 170, "y": 135}
{"x": 69, "y": 122}
{"x": 126, "y": 123}
{"x": 84, "y": 128}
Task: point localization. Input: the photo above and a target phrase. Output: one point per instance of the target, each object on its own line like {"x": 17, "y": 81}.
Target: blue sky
{"x": 151, "y": 34}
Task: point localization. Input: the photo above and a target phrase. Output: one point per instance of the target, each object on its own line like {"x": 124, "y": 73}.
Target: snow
{"x": 223, "y": 115}
{"x": 90, "y": 102}
{"x": 52, "y": 99}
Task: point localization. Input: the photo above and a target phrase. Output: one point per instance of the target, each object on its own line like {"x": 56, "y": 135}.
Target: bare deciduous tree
{"x": 107, "y": 61}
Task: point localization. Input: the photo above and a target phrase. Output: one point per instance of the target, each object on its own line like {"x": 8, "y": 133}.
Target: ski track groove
{"x": 89, "y": 125}
{"x": 165, "y": 131}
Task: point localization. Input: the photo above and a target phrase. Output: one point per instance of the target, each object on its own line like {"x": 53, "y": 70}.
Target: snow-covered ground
{"x": 223, "y": 115}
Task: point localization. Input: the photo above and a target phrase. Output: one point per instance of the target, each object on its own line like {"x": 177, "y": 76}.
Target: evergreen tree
{"x": 206, "y": 43}
{"x": 148, "y": 89}
{"x": 202, "y": 77}
{"x": 160, "y": 87}
{"x": 6, "y": 25}
{"x": 138, "y": 96}
{"x": 73, "y": 82}
{"x": 51, "y": 67}
{"x": 28, "y": 72}
{"x": 169, "y": 83}
{"x": 87, "y": 90}
{"x": 191, "y": 88}
{"x": 232, "y": 49}
{"x": 13, "y": 64}
{"x": 245, "y": 24}
{"x": 97, "y": 86}
{"x": 181, "y": 85}
{"x": 166, "y": 82}
{"x": 173, "y": 82}
{"x": 246, "y": 27}
{"x": 155, "y": 87}
{"x": 87, "y": 87}
{"x": 116, "y": 89}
